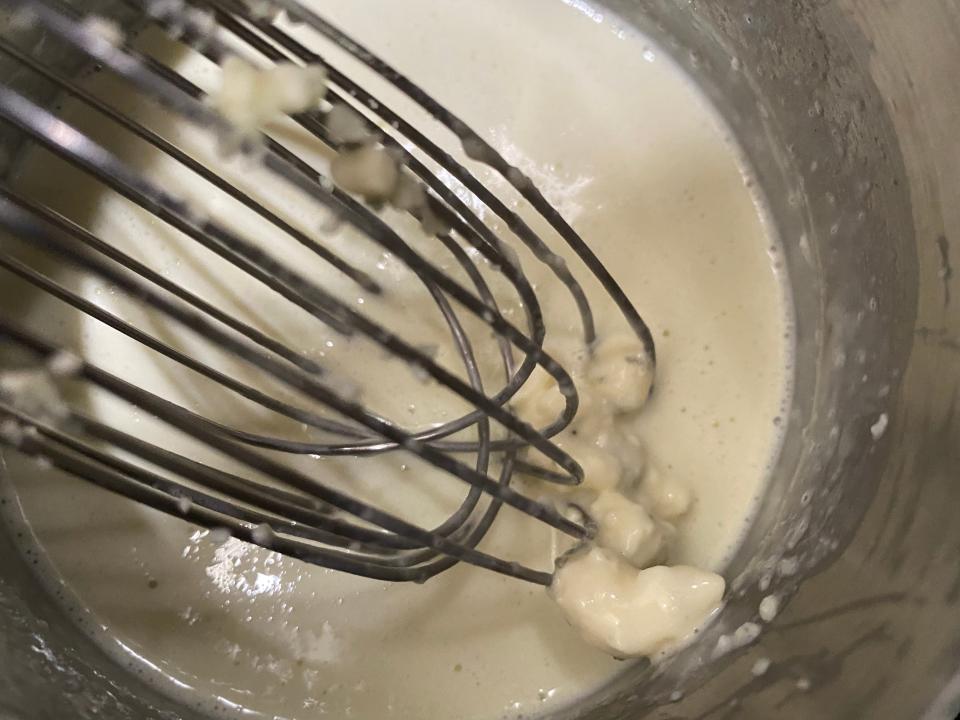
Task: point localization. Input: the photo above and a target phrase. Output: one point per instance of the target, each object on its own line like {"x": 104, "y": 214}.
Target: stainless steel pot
{"x": 848, "y": 110}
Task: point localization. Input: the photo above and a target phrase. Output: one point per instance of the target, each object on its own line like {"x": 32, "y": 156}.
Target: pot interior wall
{"x": 824, "y": 98}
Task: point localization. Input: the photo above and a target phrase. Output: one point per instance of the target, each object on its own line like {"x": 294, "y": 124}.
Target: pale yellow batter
{"x": 634, "y": 159}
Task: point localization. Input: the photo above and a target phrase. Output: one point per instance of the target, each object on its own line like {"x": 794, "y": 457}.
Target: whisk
{"x": 294, "y": 513}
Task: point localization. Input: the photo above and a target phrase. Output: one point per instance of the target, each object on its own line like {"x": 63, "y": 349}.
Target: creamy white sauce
{"x": 630, "y": 154}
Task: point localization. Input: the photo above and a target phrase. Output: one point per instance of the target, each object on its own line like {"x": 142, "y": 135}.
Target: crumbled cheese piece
{"x": 103, "y": 28}
{"x": 409, "y": 194}
{"x": 33, "y": 392}
{"x": 666, "y": 497}
{"x": 769, "y": 607}
{"x": 346, "y": 125}
{"x": 628, "y": 529}
{"x": 621, "y": 372}
{"x": 630, "y": 612}
{"x": 369, "y": 171}
{"x": 250, "y": 97}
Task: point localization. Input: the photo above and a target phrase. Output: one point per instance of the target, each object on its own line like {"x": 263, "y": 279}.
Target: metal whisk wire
{"x": 307, "y": 519}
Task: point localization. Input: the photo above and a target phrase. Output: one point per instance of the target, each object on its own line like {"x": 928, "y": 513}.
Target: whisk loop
{"x": 294, "y": 512}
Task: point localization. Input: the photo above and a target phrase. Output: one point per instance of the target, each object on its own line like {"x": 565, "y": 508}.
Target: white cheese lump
{"x": 630, "y": 612}
{"x": 250, "y": 97}
{"x": 610, "y": 592}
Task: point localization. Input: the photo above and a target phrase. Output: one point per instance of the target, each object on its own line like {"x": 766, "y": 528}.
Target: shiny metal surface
{"x": 848, "y": 110}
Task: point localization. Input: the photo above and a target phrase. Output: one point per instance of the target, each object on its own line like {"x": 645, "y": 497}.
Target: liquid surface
{"x": 632, "y": 157}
